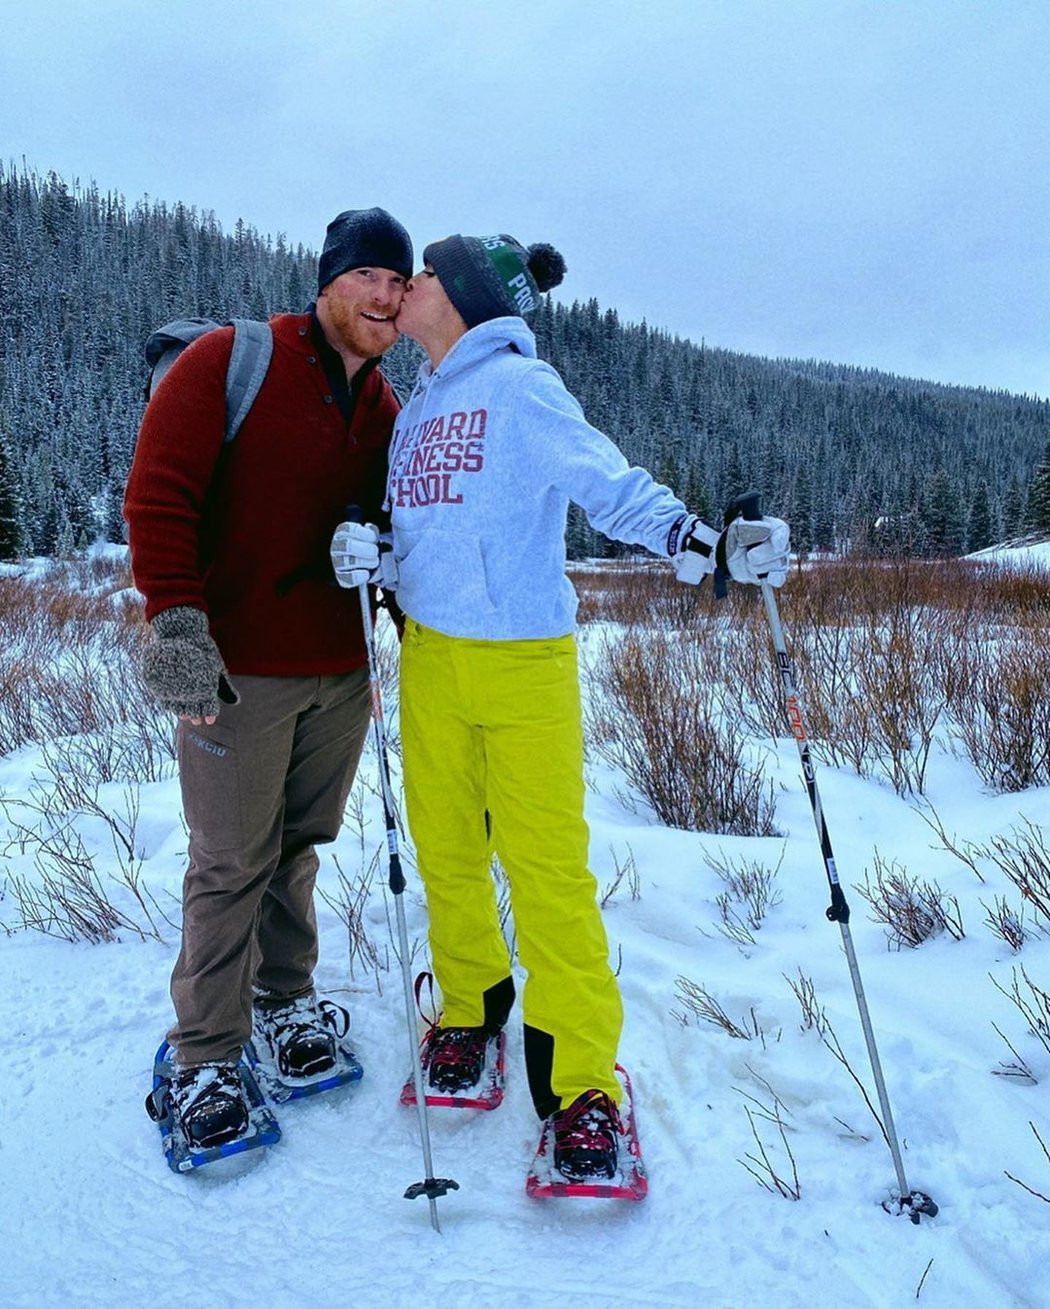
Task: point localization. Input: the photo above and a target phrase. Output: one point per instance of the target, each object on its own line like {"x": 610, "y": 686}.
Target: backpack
{"x": 249, "y": 360}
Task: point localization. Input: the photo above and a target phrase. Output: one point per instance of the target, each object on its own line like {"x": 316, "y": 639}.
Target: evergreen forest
{"x": 853, "y": 458}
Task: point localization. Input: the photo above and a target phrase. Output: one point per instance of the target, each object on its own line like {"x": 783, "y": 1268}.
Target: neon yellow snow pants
{"x": 496, "y": 726}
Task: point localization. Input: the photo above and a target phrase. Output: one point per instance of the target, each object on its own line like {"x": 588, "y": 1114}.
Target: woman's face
{"x": 425, "y": 307}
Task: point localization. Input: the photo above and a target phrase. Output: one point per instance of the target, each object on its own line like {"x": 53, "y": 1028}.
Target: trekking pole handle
{"x": 355, "y": 514}
{"x": 747, "y": 506}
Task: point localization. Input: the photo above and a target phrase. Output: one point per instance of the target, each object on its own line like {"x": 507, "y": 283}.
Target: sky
{"x": 860, "y": 181}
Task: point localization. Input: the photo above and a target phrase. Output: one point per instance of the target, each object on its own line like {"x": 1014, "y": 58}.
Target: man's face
{"x": 360, "y": 307}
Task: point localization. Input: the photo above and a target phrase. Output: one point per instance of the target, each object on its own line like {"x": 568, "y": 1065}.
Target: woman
{"x": 486, "y": 457}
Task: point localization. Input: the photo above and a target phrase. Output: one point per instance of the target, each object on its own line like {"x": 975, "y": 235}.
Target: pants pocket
{"x": 209, "y": 776}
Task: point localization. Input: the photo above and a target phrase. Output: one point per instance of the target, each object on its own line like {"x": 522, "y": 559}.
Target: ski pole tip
{"x": 432, "y": 1188}
{"x": 915, "y": 1205}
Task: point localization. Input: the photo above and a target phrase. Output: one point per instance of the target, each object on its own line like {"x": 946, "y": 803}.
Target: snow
{"x": 1026, "y": 553}
{"x": 92, "y": 1216}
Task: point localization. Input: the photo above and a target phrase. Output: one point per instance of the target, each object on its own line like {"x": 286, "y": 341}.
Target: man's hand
{"x": 182, "y": 667}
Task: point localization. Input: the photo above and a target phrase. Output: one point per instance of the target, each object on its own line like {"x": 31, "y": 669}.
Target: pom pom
{"x": 546, "y": 266}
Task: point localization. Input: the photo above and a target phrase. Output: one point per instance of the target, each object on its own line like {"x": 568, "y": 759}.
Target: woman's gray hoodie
{"x": 486, "y": 456}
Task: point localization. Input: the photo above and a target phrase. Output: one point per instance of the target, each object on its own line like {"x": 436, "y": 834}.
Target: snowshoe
{"x": 299, "y": 1048}
{"x": 209, "y": 1114}
{"x": 463, "y": 1068}
{"x": 590, "y": 1149}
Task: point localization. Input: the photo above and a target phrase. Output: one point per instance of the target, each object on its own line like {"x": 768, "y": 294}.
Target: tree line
{"x": 853, "y": 458}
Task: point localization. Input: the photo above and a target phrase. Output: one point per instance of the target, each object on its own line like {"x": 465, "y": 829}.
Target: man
{"x": 261, "y": 656}
{"x": 487, "y": 455}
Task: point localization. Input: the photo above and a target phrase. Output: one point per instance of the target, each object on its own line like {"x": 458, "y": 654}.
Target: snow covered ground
{"x": 92, "y": 1216}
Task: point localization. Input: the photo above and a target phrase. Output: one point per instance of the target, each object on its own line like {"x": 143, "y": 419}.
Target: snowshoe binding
{"x": 463, "y": 1068}
{"x": 590, "y": 1148}
{"x": 208, "y": 1112}
{"x": 299, "y": 1047}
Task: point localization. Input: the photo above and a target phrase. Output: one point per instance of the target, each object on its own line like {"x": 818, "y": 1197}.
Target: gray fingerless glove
{"x": 182, "y": 666}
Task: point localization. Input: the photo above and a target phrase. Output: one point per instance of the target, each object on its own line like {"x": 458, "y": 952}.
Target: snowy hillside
{"x": 767, "y": 1169}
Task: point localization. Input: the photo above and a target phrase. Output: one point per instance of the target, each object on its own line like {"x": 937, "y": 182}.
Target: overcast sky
{"x": 862, "y": 181}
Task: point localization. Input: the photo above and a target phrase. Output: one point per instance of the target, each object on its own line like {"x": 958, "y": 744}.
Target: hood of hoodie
{"x": 478, "y": 344}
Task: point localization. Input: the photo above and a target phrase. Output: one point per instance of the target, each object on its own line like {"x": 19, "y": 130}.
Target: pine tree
{"x": 944, "y": 518}
{"x": 696, "y": 496}
{"x": 1037, "y": 515}
{"x": 10, "y": 509}
{"x": 1013, "y": 508}
{"x": 982, "y": 529}
{"x": 803, "y": 538}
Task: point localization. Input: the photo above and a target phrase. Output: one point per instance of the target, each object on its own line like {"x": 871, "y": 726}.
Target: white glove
{"x": 359, "y": 555}
{"x": 755, "y": 550}
{"x": 691, "y": 546}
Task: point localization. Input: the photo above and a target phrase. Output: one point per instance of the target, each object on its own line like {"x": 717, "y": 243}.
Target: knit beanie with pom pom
{"x": 492, "y": 276}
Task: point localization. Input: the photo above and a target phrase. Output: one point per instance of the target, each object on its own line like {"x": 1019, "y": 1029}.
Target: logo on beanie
{"x": 520, "y": 290}
{"x": 509, "y": 266}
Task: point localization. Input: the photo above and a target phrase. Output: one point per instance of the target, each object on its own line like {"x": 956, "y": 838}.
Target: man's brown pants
{"x": 261, "y": 787}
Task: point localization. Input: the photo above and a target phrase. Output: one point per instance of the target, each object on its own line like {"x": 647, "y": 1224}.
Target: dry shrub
{"x": 659, "y": 717}
{"x": 626, "y": 872}
{"x": 1024, "y": 856}
{"x": 873, "y": 649}
{"x": 912, "y": 910}
{"x": 813, "y": 1016}
{"x": 1046, "y": 1155}
{"x": 779, "y": 1178}
{"x": 1019, "y": 595}
{"x": 349, "y": 902}
{"x": 1003, "y": 713}
{"x": 750, "y": 892}
{"x": 1032, "y": 1002}
{"x": 1006, "y": 922}
{"x": 639, "y": 592}
{"x": 888, "y": 657}
{"x": 65, "y": 895}
{"x": 69, "y": 655}
{"x": 699, "y": 1002}
{"x": 69, "y": 683}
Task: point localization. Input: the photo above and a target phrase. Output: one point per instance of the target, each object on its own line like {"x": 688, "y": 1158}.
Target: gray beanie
{"x": 491, "y": 276}
{"x": 364, "y": 238}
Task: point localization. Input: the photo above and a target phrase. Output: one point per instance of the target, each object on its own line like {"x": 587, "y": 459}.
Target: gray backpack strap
{"x": 165, "y": 345}
{"x": 249, "y": 360}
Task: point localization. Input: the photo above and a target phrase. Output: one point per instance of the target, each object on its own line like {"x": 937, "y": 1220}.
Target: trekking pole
{"x": 916, "y": 1202}
{"x": 432, "y": 1187}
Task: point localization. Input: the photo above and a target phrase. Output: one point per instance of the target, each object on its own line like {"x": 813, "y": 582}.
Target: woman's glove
{"x": 754, "y": 550}
{"x": 359, "y": 555}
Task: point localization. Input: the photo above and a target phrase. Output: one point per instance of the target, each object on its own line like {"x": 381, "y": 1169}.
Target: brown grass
{"x": 889, "y": 657}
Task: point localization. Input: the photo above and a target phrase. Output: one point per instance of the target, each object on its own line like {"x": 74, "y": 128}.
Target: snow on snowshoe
{"x": 207, "y": 1114}
{"x": 299, "y": 1048}
{"x": 597, "y": 1149}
